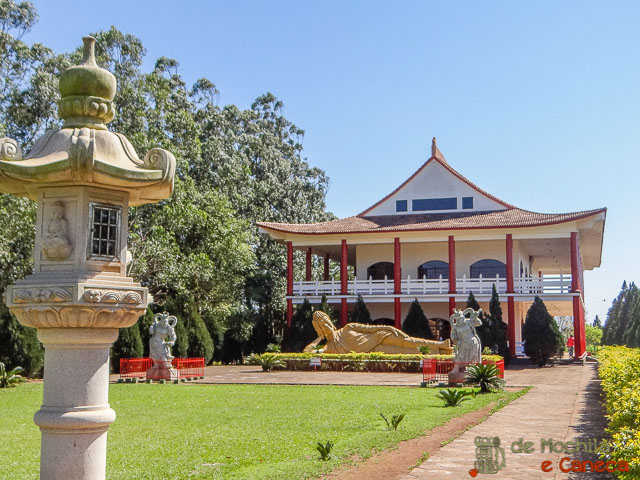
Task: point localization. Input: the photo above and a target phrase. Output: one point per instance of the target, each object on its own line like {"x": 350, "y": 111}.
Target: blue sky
{"x": 536, "y": 102}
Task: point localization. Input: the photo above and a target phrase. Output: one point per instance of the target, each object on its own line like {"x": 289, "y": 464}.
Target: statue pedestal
{"x": 75, "y": 412}
{"x": 162, "y": 370}
{"x": 456, "y": 377}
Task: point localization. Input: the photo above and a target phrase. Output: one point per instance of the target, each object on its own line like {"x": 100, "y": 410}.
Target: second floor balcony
{"x": 548, "y": 284}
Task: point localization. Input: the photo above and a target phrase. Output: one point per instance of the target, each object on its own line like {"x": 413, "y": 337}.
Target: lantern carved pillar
{"x": 83, "y": 178}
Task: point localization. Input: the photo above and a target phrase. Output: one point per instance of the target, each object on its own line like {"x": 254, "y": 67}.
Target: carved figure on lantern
{"x": 360, "y": 338}
{"x": 55, "y": 241}
{"x": 163, "y": 337}
{"x": 468, "y": 345}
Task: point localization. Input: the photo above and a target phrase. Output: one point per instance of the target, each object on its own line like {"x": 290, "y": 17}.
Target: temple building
{"x": 438, "y": 237}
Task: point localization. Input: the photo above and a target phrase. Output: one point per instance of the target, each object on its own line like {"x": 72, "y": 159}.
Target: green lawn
{"x": 233, "y": 431}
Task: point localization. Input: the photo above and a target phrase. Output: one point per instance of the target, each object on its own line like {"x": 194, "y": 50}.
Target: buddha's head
{"x": 323, "y": 324}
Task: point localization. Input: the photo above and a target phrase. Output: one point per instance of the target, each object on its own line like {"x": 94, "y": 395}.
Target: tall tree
{"x": 360, "y": 313}
{"x": 612, "y": 331}
{"x": 498, "y": 328}
{"x": 416, "y": 323}
{"x": 301, "y": 332}
{"x": 597, "y": 322}
{"x": 484, "y": 330}
{"x": 542, "y": 338}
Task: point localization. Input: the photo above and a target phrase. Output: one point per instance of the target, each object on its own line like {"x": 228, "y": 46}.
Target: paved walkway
{"x": 554, "y": 409}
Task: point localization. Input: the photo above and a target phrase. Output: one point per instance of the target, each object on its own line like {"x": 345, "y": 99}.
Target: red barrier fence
{"x": 437, "y": 371}
{"x": 189, "y": 368}
{"x": 134, "y": 367}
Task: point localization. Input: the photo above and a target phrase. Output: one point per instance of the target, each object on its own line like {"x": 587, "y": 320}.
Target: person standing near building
{"x": 570, "y": 344}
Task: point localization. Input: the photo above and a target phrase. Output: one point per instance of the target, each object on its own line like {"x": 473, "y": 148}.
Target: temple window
{"x": 433, "y": 269}
{"x": 488, "y": 268}
{"x": 380, "y": 270}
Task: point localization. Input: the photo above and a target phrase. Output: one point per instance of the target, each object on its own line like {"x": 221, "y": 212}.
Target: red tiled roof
{"x": 510, "y": 218}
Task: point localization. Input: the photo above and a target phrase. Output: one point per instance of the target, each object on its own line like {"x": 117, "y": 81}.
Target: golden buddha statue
{"x": 360, "y": 338}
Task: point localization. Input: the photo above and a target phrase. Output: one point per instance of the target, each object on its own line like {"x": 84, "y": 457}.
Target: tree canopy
{"x": 235, "y": 166}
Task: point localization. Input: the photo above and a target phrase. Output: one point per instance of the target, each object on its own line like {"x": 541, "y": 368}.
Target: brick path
{"x": 555, "y": 408}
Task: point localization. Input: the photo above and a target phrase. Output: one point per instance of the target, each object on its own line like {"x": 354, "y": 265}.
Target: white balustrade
{"x": 549, "y": 284}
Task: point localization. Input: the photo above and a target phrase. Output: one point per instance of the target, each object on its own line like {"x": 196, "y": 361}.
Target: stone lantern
{"x": 83, "y": 178}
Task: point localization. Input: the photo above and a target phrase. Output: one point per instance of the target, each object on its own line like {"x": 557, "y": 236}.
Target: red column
{"x": 397, "y": 285}
{"x": 511, "y": 311}
{"x": 343, "y": 282}
{"x": 289, "y": 282}
{"x": 452, "y": 273}
{"x": 578, "y": 309}
{"x": 307, "y": 275}
{"x": 325, "y": 276}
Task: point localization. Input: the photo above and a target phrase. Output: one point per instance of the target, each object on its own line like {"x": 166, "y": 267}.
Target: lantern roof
{"x": 84, "y": 151}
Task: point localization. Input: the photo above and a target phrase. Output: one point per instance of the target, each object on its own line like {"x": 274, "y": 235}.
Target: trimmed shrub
{"x": 542, "y": 338}
{"x": 416, "y": 323}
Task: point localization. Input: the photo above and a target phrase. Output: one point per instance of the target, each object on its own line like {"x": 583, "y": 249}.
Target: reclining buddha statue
{"x": 360, "y": 338}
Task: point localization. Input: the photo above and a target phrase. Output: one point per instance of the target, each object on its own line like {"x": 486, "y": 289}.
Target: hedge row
{"x": 370, "y": 362}
{"x": 620, "y": 373}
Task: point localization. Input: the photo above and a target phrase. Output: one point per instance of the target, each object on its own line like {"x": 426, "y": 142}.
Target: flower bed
{"x": 620, "y": 373}
{"x": 363, "y": 362}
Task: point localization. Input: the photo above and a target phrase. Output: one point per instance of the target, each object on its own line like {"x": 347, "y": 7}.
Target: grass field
{"x": 233, "y": 431}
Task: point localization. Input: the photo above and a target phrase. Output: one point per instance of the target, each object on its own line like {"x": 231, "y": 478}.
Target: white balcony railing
{"x": 549, "y": 284}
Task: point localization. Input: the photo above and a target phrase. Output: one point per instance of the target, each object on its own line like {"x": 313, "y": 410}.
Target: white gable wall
{"x": 435, "y": 181}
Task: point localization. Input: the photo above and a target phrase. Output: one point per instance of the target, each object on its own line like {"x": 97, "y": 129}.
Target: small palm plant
{"x": 267, "y": 361}
{"x": 325, "y": 450}
{"x": 486, "y": 376}
{"x": 11, "y": 378}
{"x": 453, "y": 397}
{"x": 394, "y": 422}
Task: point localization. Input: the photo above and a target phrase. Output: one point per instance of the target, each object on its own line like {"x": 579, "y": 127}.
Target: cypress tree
{"x": 416, "y": 323}
{"x": 360, "y": 312}
{"x": 144, "y": 323}
{"x": 127, "y": 345}
{"x": 328, "y": 309}
{"x": 301, "y": 333}
{"x": 216, "y": 330}
{"x": 542, "y": 338}
{"x": 200, "y": 342}
{"x": 180, "y": 349}
{"x": 630, "y": 317}
{"x": 484, "y": 330}
{"x": 498, "y": 327}
{"x": 597, "y": 322}
{"x": 19, "y": 345}
{"x": 609, "y": 332}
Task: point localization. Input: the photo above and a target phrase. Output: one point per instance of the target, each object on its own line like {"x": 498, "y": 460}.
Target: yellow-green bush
{"x": 620, "y": 373}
